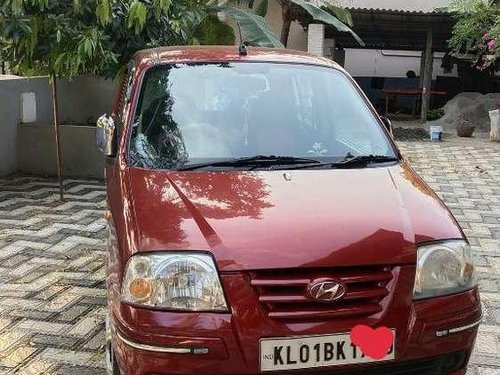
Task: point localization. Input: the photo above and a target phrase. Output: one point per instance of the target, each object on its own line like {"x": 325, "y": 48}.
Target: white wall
{"x": 388, "y": 63}
{"x": 316, "y": 38}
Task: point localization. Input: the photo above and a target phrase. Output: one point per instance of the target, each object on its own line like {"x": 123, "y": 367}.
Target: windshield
{"x": 203, "y": 113}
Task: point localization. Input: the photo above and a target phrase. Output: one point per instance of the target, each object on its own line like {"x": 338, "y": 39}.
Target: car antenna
{"x": 242, "y": 49}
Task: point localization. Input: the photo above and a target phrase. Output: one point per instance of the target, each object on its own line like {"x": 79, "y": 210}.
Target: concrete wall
{"x": 9, "y": 115}
{"x": 390, "y": 63}
{"x": 37, "y": 152}
{"x": 10, "y": 103}
{"x": 81, "y": 100}
{"x": 84, "y": 99}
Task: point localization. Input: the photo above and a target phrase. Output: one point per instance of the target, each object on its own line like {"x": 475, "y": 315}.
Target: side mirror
{"x": 387, "y": 124}
{"x": 106, "y": 135}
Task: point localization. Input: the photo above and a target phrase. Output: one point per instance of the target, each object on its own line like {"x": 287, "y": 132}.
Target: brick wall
{"x": 316, "y": 38}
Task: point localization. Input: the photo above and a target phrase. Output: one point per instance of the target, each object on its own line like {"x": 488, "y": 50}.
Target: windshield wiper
{"x": 254, "y": 161}
{"x": 363, "y": 160}
{"x": 350, "y": 161}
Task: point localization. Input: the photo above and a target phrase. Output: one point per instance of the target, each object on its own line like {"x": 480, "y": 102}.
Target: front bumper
{"x": 434, "y": 337}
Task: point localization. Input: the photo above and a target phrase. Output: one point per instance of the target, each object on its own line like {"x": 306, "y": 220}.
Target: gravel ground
{"x": 410, "y": 134}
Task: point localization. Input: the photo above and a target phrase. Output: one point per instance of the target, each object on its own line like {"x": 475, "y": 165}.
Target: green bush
{"x": 435, "y": 114}
{"x": 476, "y": 30}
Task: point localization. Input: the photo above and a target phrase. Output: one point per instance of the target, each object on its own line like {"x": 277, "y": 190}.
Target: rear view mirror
{"x": 387, "y": 124}
{"x": 106, "y": 135}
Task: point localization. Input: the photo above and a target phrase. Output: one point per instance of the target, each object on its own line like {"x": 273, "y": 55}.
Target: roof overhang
{"x": 393, "y": 29}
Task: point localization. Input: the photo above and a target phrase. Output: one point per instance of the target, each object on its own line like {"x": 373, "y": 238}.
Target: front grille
{"x": 283, "y": 292}
{"x": 440, "y": 365}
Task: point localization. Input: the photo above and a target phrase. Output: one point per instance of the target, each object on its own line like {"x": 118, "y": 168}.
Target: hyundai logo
{"x": 326, "y": 290}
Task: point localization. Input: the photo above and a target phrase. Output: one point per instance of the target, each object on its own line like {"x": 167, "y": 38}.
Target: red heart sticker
{"x": 375, "y": 343}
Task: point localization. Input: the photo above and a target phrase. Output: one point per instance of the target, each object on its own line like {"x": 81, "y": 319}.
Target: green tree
{"x": 213, "y": 31}
{"x": 57, "y": 38}
{"x": 68, "y": 38}
{"x": 476, "y": 30}
{"x": 62, "y": 38}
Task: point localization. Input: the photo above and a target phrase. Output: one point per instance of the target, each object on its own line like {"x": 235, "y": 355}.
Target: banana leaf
{"x": 262, "y": 8}
{"x": 321, "y": 15}
{"x": 256, "y": 31}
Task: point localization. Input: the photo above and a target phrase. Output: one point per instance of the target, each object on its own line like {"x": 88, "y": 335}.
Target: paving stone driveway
{"x": 52, "y": 291}
{"x": 466, "y": 174}
{"x": 52, "y": 296}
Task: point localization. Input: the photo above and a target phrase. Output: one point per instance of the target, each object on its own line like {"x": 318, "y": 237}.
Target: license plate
{"x": 313, "y": 351}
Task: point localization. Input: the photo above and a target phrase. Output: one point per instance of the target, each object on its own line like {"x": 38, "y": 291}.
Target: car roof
{"x": 178, "y": 54}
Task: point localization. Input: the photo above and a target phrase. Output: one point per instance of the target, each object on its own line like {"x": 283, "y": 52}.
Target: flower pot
{"x": 465, "y": 130}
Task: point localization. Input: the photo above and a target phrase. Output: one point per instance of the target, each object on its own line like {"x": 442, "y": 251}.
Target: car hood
{"x": 286, "y": 219}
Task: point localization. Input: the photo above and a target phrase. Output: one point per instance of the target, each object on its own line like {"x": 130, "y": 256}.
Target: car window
{"x": 193, "y": 113}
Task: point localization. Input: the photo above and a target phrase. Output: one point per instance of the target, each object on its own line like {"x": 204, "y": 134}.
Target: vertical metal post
{"x": 57, "y": 135}
{"x": 427, "y": 81}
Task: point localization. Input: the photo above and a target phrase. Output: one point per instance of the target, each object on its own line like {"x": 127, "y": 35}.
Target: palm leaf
{"x": 255, "y": 28}
{"x": 319, "y": 14}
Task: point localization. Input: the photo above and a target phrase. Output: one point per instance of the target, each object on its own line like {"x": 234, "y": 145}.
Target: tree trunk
{"x": 57, "y": 135}
{"x": 427, "y": 81}
{"x": 287, "y": 21}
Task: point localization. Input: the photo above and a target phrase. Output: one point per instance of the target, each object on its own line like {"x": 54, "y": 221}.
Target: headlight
{"x": 173, "y": 281}
{"x": 443, "y": 268}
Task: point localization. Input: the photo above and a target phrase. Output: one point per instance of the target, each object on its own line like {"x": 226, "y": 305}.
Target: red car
{"x": 258, "y": 212}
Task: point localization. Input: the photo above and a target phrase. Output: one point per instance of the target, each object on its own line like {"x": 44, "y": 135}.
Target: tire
{"x": 112, "y": 367}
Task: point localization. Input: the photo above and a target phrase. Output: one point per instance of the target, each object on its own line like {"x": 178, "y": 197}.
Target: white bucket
{"x": 436, "y": 132}
{"x": 495, "y": 125}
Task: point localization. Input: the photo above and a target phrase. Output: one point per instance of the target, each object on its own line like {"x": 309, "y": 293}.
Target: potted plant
{"x": 465, "y": 129}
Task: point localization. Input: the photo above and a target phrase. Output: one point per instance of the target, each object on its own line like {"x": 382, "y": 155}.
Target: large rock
{"x": 469, "y": 106}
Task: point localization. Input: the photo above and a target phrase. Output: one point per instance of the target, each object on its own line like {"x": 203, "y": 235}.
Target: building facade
{"x": 362, "y": 62}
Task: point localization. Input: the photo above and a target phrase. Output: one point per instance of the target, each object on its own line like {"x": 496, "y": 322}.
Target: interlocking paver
{"x": 37, "y": 367}
{"x": 465, "y": 173}
{"x": 17, "y": 357}
{"x": 52, "y": 257}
